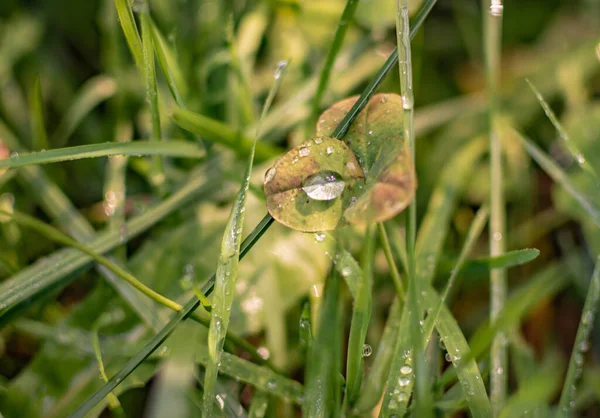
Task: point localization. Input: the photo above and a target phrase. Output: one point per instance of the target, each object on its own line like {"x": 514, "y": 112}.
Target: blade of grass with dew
{"x": 374, "y": 384}
{"x": 344, "y": 263}
{"x": 93, "y": 92}
{"x": 54, "y": 271}
{"x": 361, "y": 316}
{"x": 149, "y": 71}
{"x": 130, "y": 31}
{"x": 170, "y": 67}
{"x": 227, "y": 266}
{"x": 472, "y": 235}
{"x": 39, "y": 137}
{"x": 581, "y": 344}
{"x": 413, "y": 305}
{"x": 164, "y": 333}
{"x": 320, "y": 372}
{"x": 55, "y": 235}
{"x": 562, "y": 133}
{"x": 259, "y": 405}
{"x": 252, "y": 238}
{"x": 61, "y": 210}
{"x": 221, "y": 133}
{"x": 174, "y": 148}
{"x": 558, "y": 175}
{"x": 492, "y": 38}
{"x": 334, "y": 49}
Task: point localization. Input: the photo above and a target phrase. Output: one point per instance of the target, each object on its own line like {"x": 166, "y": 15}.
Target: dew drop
{"x": 448, "y": 357}
{"x": 272, "y": 384}
{"x": 329, "y": 150}
{"x": 350, "y": 165}
{"x": 304, "y": 151}
{"x": 497, "y": 236}
{"x": 346, "y": 271}
{"x": 367, "y": 350}
{"x": 270, "y": 174}
{"x": 496, "y": 8}
{"x": 370, "y": 131}
{"x": 405, "y": 370}
{"x": 320, "y": 237}
{"x": 404, "y": 381}
{"x": 324, "y": 185}
{"x": 281, "y": 67}
{"x": 319, "y": 140}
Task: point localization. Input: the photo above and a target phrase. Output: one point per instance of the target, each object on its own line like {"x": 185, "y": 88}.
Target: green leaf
{"x": 174, "y": 148}
{"x": 130, "y": 30}
{"x": 170, "y": 67}
{"x": 318, "y": 185}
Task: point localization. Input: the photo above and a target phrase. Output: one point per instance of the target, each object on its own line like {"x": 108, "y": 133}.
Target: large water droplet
{"x": 324, "y": 185}
{"x": 270, "y": 174}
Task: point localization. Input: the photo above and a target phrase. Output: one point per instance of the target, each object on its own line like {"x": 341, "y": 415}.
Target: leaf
{"x": 174, "y": 148}
{"x": 311, "y": 185}
{"x": 318, "y": 185}
{"x": 39, "y": 137}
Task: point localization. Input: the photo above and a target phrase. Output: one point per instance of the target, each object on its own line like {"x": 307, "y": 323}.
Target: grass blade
{"x": 562, "y": 133}
{"x": 259, "y": 405}
{"x": 492, "y": 34}
{"x": 170, "y": 67}
{"x": 130, "y": 31}
{"x": 221, "y": 133}
{"x": 558, "y": 175}
{"x": 361, "y": 316}
{"x": 39, "y": 137}
{"x": 334, "y": 49}
{"x": 227, "y": 267}
{"x": 581, "y": 345}
{"x": 96, "y": 90}
{"x": 321, "y": 372}
{"x": 174, "y": 148}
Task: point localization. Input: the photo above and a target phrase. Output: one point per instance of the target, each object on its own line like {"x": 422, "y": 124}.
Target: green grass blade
{"x": 39, "y": 137}
{"x": 508, "y": 259}
{"x": 374, "y": 383}
{"x": 361, "y": 316}
{"x": 334, "y": 49}
{"x": 321, "y": 372}
{"x": 95, "y": 90}
{"x": 259, "y": 405}
{"x": 166, "y": 331}
{"x": 562, "y": 133}
{"x": 170, "y": 67}
{"x": 559, "y": 176}
{"x": 174, "y": 148}
{"x": 227, "y": 267}
{"x": 389, "y": 256}
{"x": 221, "y": 133}
{"x": 130, "y": 30}
{"x": 581, "y": 345}
{"x": 54, "y": 271}
{"x": 472, "y": 235}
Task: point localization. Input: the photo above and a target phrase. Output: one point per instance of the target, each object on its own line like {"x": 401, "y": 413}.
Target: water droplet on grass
{"x": 367, "y": 350}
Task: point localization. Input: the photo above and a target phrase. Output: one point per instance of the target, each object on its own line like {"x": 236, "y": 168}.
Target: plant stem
{"x": 492, "y": 23}
{"x": 389, "y": 256}
{"x": 422, "y": 395}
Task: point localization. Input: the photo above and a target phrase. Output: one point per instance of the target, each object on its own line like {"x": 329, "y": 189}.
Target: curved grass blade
{"x": 472, "y": 235}
{"x": 94, "y": 91}
{"x": 164, "y": 333}
{"x": 170, "y": 67}
{"x": 562, "y": 133}
{"x": 227, "y": 268}
{"x": 39, "y": 137}
{"x": 221, "y": 133}
{"x": 130, "y": 31}
{"x": 334, "y": 49}
{"x": 558, "y": 175}
{"x": 389, "y": 256}
{"x": 581, "y": 345}
{"x": 361, "y": 316}
{"x": 174, "y": 148}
